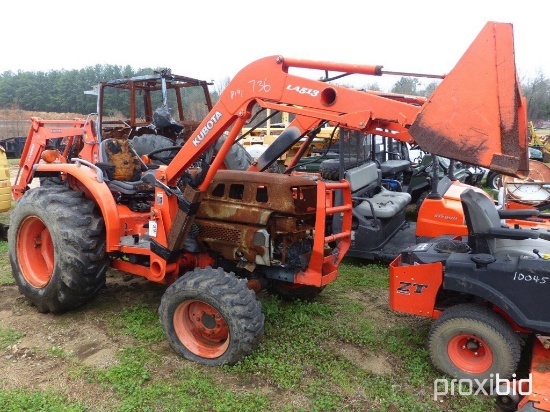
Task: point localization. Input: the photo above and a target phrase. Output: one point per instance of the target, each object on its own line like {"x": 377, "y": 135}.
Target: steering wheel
{"x": 153, "y": 155}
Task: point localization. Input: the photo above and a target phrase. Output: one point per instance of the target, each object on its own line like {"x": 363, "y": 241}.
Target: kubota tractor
{"x": 213, "y": 234}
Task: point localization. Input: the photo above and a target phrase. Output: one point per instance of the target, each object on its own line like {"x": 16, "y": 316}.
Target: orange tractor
{"x": 213, "y": 234}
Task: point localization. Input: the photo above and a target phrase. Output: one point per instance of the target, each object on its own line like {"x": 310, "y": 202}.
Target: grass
{"x": 44, "y": 401}
{"x": 299, "y": 359}
{"x": 303, "y": 362}
{"x": 6, "y": 277}
{"x": 9, "y": 337}
{"x": 140, "y": 321}
{"x": 300, "y": 364}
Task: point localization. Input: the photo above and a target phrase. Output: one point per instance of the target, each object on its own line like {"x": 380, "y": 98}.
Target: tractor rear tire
{"x": 292, "y": 291}
{"x": 237, "y": 158}
{"x": 147, "y": 143}
{"x": 210, "y": 316}
{"x": 330, "y": 169}
{"x": 57, "y": 248}
{"x": 470, "y": 341}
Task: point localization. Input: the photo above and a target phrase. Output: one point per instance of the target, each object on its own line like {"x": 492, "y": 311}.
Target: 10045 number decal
{"x": 530, "y": 278}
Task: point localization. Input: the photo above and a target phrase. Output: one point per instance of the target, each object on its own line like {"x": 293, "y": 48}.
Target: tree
{"x": 62, "y": 91}
{"x": 537, "y": 93}
{"x": 406, "y": 85}
{"x": 430, "y": 88}
{"x": 372, "y": 86}
{"x": 221, "y": 84}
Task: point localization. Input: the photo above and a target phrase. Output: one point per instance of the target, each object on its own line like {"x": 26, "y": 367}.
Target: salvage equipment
{"x": 213, "y": 235}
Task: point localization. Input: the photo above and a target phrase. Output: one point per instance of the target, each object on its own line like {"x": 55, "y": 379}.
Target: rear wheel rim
{"x": 201, "y": 328}
{"x": 35, "y": 252}
{"x": 470, "y": 353}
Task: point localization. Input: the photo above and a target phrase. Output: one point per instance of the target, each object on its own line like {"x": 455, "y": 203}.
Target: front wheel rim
{"x": 470, "y": 353}
{"x": 201, "y": 328}
{"x": 35, "y": 252}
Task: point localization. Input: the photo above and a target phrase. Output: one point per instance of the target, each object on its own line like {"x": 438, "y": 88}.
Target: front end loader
{"x": 215, "y": 235}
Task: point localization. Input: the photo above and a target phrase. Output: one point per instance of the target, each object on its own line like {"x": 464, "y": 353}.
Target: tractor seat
{"x": 392, "y": 167}
{"x": 123, "y": 167}
{"x": 487, "y": 234}
{"x": 384, "y": 204}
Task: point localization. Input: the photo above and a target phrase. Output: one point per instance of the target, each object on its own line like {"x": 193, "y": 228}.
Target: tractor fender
{"x": 285, "y": 140}
{"x": 96, "y": 189}
{"x": 480, "y": 288}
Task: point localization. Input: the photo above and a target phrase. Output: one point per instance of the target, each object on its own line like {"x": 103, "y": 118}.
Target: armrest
{"x": 509, "y": 233}
{"x": 518, "y": 213}
{"x": 545, "y": 236}
{"x": 107, "y": 168}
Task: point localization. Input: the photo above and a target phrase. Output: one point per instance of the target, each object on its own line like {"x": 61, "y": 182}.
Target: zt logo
{"x": 405, "y": 288}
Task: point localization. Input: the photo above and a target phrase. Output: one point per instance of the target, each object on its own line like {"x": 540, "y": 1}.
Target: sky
{"x": 213, "y": 40}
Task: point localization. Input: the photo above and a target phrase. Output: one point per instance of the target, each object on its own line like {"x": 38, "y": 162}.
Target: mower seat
{"x": 123, "y": 167}
{"x": 488, "y": 234}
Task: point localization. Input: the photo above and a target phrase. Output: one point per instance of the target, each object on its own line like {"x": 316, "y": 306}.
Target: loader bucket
{"x": 478, "y": 114}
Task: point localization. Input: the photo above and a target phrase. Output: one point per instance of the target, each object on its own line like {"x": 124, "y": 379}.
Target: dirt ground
{"x": 52, "y": 347}
{"x": 85, "y": 335}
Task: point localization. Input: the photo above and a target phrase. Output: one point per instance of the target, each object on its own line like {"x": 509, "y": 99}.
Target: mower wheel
{"x": 470, "y": 341}
{"x": 493, "y": 180}
{"x": 211, "y": 317}
{"x": 508, "y": 402}
{"x": 420, "y": 200}
{"x": 57, "y": 248}
{"x": 292, "y": 291}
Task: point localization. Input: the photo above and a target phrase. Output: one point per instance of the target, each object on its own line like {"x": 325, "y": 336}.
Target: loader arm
{"x": 477, "y": 114}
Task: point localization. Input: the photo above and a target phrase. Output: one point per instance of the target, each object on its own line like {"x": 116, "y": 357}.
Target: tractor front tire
{"x": 57, "y": 248}
{"x": 470, "y": 341}
{"x": 209, "y": 316}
